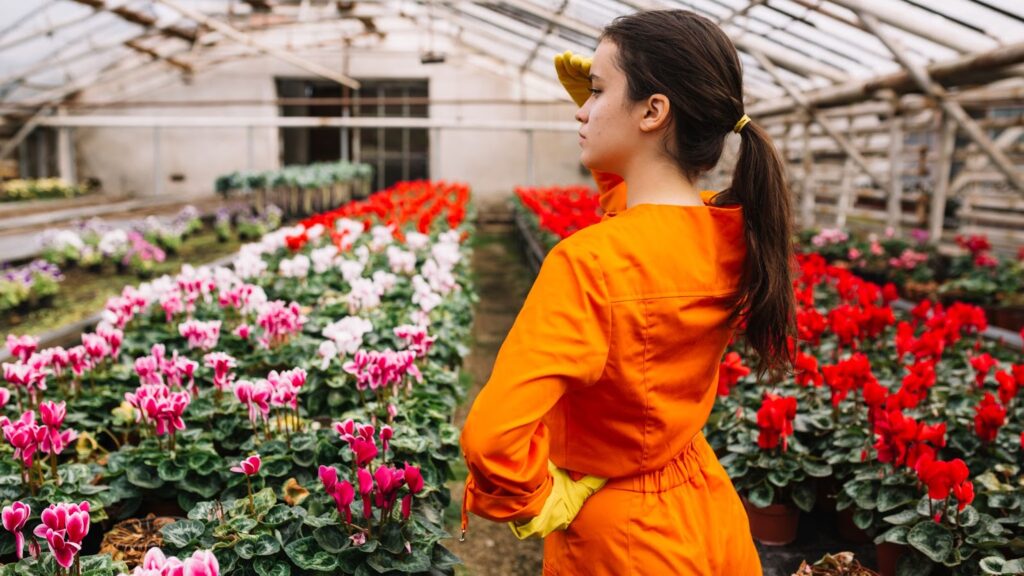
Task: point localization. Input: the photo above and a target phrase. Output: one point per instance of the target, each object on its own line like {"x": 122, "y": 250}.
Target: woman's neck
{"x": 659, "y": 183}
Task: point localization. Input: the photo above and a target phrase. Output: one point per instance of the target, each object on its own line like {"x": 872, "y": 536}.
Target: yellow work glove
{"x": 574, "y": 73}
{"x": 561, "y": 507}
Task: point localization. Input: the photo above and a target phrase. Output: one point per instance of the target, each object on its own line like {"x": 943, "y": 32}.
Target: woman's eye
{"x": 594, "y": 91}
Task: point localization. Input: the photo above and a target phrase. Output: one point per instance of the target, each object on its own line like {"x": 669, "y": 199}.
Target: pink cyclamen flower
{"x": 50, "y": 438}
{"x": 14, "y": 518}
{"x": 202, "y": 335}
{"x": 386, "y": 433}
{"x": 222, "y": 364}
{"x": 243, "y": 331}
{"x": 64, "y": 526}
{"x": 202, "y": 563}
{"x": 5, "y": 397}
{"x": 22, "y": 347}
{"x": 250, "y": 466}
{"x": 112, "y": 336}
{"x": 22, "y": 434}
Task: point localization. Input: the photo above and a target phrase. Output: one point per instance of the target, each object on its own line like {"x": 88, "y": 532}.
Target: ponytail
{"x": 765, "y": 303}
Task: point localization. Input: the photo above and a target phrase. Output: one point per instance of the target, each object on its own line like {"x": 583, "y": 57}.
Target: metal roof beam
{"x": 825, "y": 123}
{"x": 243, "y": 38}
{"x": 953, "y": 109}
{"x": 920, "y": 23}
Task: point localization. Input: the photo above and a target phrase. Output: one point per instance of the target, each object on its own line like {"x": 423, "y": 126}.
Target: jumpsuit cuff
{"x": 504, "y": 508}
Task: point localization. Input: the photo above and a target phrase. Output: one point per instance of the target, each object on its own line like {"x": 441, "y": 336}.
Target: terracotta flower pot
{"x": 775, "y": 525}
{"x": 888, "y": 555}
{"x": 848, "y": 530}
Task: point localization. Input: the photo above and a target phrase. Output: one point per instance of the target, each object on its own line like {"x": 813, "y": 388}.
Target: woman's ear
{"x": 656, "y": 113}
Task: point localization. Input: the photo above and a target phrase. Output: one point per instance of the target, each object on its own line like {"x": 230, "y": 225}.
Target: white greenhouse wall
{"x": 492, "y": 162}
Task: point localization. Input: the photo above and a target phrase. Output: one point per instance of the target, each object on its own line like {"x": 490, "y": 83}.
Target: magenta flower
{"x": 203, "y": 335}
{"x": 14, "y": 518}
{"x": 413, "y": 478}
{"x": 386, "y": 433}
{"x": 22, "y": 346}
{"x": 5, "y": 397}
{"x": 21, "y": 434}
{"x": 222, "y": 364}
{"x": 96, "y": 347}
{"x": 364, "y": 450}
{"x": 389, "y": 480}
{"x": 342, "y": 492}
{"x": 112, "y": 336}
{"x": 255, "y": 396}
{"x": 250, "y": 466}
{"x": 49, "y": 436}
{"x": 64, "y": 526}
{"x": 202, "y": 563}
{"x": 365, "y": 488}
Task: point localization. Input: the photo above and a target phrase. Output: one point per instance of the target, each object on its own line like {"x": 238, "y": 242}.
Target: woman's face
{"x": 611, "y": 125}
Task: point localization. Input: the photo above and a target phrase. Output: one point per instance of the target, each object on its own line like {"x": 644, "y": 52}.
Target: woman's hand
{"x": 574, "y": 73}
{"x": 561, "y": 507}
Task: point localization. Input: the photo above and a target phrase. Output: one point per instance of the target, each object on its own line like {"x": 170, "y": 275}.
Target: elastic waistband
{"x": 697, "y": 455}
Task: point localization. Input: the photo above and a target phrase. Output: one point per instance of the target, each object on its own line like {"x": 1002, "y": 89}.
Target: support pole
{"x": 65, "y": 152}
{"x": 807, "y": 189}
{"x": 894, "y": 204}
{"x": 530, "y": 169}
{"x": 158, "y": 181}
{"x": 937, "y": 214}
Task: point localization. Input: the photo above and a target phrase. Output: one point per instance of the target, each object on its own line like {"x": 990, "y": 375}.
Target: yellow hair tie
{"x": 742, "y": 122}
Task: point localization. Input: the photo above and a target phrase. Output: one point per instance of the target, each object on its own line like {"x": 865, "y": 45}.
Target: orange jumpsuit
{"x": 611, "y": 369}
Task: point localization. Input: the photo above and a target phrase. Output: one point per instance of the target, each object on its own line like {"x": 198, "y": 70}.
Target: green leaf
{"x": 306, "y": 554}
{"x": 144, "y": 476}
{"x": 816, "y": 468}
{"x": 443, "y": 559}
{"x": 780, "y": 478}
{"x": 933, "y": 540}
{"x": 804, "y": 494}
{"x": 968, "y": 517}
{"x": 384, "y": 562}
{"x": 279, "y": 515}
{"x": 761, "y": 495}
{"x": 183, "y": 533}
{"x": 243, "y": 524}
{"x": 267, "y": 545}
{"x": 246, "y": 548}
{"x": 863, "y": 519}
{"x": 895, "y": 535}
{"x": 264, "y": 500}
{"x": 331, "y": 539}
{"x": 892, "y": 497}
{"x": 271, "y": 567}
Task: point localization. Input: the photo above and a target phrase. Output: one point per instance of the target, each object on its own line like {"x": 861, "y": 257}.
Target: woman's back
{"x": 670, "y": 274}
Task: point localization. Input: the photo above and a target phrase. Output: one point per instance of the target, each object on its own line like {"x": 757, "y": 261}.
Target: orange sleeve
{"x": 612, "y": 192}
{"x": 559, "y": 342}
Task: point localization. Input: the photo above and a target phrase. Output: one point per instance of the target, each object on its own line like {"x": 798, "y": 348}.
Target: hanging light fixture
{"x": 431, "y": 56}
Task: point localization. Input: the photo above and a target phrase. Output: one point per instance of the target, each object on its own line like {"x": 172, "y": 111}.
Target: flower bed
{"x": 297, "y": 405}
{"x": 100, "y": 247}
{"x": 15, "y": 190}
{"x": 30, "y": 286}
{"x": 974, "y": 274}
{"x": 908, "y": 422}
{"x": 301, "y": 189}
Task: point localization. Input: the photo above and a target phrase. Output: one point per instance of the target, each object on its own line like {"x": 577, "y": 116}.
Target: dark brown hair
{"x": 691, "y": 61}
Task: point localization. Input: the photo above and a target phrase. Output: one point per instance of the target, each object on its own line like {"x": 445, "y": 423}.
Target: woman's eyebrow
{"x": 594, "y": 77}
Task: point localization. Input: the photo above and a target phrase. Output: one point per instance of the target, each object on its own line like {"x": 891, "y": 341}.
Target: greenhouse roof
{"x": 52, "y": 49}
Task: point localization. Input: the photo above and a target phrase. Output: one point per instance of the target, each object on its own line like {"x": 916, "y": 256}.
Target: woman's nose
{"x": 581, "y": 114}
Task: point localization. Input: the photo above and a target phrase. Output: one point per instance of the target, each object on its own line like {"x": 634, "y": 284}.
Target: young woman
{"x": 600, "y": 391}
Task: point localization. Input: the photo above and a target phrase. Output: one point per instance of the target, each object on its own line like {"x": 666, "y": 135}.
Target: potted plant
{"x": 770, "y": 470}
